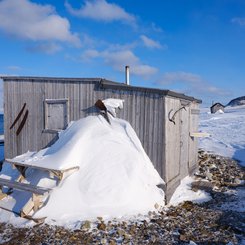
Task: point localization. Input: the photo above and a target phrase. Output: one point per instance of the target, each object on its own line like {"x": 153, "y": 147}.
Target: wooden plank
{"x": 150, "y": 125}
{"x": 27, "y": 208}
{"x": 21, "y": 214}
{"x": 137, "y": 118}
{"x": 155, "y": 132}
{"x": 2, "y": 195}
{"x": 161, "y": 146}
{"x": 184, "y": 141}
{"x": 24, "y": 187}
{"x": 193, "y": 141}
{"x": 37, "y": 201}
{"x": 199, "y": 134}
{"x": 38, "y": 116}
{"x": 34, "y": 203}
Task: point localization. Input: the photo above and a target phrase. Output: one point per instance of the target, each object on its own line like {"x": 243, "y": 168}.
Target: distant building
{"x": 217, "y": 106}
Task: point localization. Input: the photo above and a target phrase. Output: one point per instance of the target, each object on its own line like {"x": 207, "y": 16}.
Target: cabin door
{"x": 184, "y": 141}
{"x": 193, "y": 143}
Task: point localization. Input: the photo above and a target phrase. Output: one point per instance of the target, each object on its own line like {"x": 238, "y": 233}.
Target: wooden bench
{"x": 38, "y": 193}
{"x": 59, "y": 173}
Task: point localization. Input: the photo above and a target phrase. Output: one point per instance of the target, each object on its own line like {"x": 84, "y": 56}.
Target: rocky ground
{"x": 219, "y": 221}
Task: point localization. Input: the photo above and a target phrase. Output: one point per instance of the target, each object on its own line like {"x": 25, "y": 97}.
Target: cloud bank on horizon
{"x": 166, "y": 45}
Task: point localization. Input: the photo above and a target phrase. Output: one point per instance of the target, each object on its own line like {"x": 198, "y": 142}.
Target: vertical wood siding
{"x": 172, "y": 139}
{"x": 184, "y": 140}
{"x": 193, "y": 142}
{"x": 147, "y": 112}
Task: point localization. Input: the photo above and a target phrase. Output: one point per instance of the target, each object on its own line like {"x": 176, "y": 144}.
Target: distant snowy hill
{"x": 227, "y": 132}
{"x": 237, "y": 102}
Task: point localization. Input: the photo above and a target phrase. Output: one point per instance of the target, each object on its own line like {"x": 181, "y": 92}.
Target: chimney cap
{"x": 127, "y": 74}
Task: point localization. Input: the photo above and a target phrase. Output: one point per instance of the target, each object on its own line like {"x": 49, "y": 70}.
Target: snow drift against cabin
{"x": 115, "y": 178}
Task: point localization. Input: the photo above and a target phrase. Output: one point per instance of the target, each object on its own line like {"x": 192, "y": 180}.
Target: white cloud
{"x": 144, "y": 70}
{"x": 27, "y": 20}
{"x": 101, "y": 10}
{"x": 118, "y": 60}
{"x": 86, "y": 40}
{"x": 193, "y": 83}
{"x": 47, "y": 48}
{"x": 150, "y": 43}
{"x": 239, "y": 21}
{"x": 121, "y": 58}
{"x": 180, "y": 76}
{"x": 90, "y": 54}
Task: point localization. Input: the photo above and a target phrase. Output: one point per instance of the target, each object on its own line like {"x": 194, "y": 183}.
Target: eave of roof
{"x": 113, "y": 85}
{"x": 104, "y": 84}
{"x": 62, "y": 79}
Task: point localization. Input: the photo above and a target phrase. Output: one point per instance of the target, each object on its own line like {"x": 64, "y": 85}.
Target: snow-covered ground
{"x": 116, "y": 177}
{"x": 227, "y": 132}
{"x": 184, "y": 192}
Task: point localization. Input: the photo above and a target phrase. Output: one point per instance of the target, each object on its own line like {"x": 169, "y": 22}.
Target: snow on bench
{"x": 59, "y": 173}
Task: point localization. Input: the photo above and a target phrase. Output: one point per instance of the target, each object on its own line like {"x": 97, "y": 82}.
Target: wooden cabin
{"x": 163, "y": 120}
{"x": 216, "y": 107}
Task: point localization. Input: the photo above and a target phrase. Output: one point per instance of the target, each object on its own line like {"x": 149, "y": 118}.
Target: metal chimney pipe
{"x": 127, "y": 75}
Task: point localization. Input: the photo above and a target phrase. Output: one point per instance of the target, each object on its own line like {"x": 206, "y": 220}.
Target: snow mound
{"x": 184, "y": 192}
{"x": 219, "y": 112}
{"x": 116, "y": 177}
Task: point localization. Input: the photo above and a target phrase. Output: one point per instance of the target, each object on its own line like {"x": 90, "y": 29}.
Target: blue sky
{"x": 192, "y": 46}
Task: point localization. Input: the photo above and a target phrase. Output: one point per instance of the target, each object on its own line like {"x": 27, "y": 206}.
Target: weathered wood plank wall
{"x": 168, "y": 145}
{"x": 145, "y": 111}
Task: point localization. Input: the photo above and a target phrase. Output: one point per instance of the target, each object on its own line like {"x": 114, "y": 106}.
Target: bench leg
{"x": 58, "y": 174}
{"x": 22, "y": 170}
{"x": 27, "y": 208}
{"x": 37, "y": 201}
{"x": 2, "y": 195}
{"x": 20, "y": 178}
{"x": 33, "y": 204}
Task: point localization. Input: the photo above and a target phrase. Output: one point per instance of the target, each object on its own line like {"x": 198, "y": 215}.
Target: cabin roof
{"x": 104, "y": 84}
{"x": 217, "y": 104}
